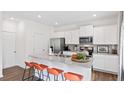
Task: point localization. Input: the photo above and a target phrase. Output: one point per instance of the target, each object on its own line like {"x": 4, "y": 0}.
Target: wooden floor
{"x": 15, "y": 74}
{"x": 102, "y": 76}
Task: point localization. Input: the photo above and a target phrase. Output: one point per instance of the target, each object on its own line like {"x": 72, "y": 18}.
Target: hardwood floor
{"x": 102, "y": 76}
{"x": 15, "y": 74}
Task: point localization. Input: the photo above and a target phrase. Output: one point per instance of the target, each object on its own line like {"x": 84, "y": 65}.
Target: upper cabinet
{"x": 72, "y": 37}
{"x": 86, "y": 30}
{"x": 101, "y": 35}
{"x": 57, "y": 35}
{"x": 106, "y": 35}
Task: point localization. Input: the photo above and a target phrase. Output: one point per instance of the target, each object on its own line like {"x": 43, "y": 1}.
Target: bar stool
{"x": 40, "y": 68}
{"x": 30, "y": 66}
{"x": 73, "y": 76}
{"x": 56, "y": 72}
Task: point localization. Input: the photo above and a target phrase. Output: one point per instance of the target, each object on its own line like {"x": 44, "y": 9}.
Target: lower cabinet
{"x": 106, "y": 63}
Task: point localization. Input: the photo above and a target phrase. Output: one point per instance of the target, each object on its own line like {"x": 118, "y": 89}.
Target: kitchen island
{"x": 65, "y": 64}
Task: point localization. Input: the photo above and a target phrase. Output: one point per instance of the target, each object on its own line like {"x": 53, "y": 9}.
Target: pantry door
{"x": 40, "y": 45}
{"x": 8, "y": 49}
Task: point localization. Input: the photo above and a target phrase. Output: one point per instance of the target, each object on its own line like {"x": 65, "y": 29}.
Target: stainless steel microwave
{"x": 86, "y": 40}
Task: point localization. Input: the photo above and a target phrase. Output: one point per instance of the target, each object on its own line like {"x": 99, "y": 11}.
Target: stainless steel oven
{"x": 86, "y": 40}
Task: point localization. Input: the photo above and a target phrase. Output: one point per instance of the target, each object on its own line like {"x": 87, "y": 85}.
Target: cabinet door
{"x": 75, "y": 37}
{"x": 98, "y": 62}
{"x": 57, "y": 35}
{"x": 98, "y": 35}
{"x": 105, "y": 35}
{"x": 86, "y": 30}
{"x": 67, "y": 37}
{"x": 111, "y": 63}
{"x": 72, "y": 37}
{"x": 89, "y": 31}
{"x": 111, "y": 35}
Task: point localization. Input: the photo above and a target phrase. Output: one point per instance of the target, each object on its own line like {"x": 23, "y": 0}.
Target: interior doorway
{"x": 8, "y": 49}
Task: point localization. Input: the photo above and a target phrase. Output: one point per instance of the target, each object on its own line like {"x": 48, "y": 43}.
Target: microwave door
{"x": 85, "y": 40}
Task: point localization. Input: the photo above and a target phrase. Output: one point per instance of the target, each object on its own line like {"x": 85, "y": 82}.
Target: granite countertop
{"x": 64, "y": 60}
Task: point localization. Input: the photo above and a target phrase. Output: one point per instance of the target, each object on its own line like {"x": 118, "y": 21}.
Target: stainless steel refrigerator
{"x": 57, "y": 44}
{"x": 121, "y": 46}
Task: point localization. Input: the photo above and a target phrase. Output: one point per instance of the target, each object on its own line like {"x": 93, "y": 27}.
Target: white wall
{"x": 25, "y": 30}
{"x": 25, "y": 34}
{"x": 35, "y": 28}
{"x": 9, "y": 26}
{"x": 1, "y": 45}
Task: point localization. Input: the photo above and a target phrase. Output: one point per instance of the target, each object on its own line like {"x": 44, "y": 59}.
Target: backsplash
{"x": 73, "y": 47}
{"x": 112, "y": 49}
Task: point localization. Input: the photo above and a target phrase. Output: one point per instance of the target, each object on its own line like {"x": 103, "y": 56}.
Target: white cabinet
{"x": 86, "y": 30}
{"x": 98, "y": 62}
{"x": 106, "y": 35}
{"x": 111, "y": 63}
{"x": 67, "y": 37}
{"x": 57, "y": 35}
{"x": 106, "y": 62}
{"x": 72, "y": 37}
{"x": 98, "y": 36}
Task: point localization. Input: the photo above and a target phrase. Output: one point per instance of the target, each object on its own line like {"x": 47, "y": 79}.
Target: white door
{"x": 8, "y": 49}
{"x": 40, "y": 45}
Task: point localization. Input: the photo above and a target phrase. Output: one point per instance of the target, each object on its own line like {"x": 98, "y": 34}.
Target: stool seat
{"x": 55, "y": 71}
{"x": 33, "y": 63}
{"x": 73, "y": 76}
{"x": 29, "y": 64}
{"x": 40, "y": 66}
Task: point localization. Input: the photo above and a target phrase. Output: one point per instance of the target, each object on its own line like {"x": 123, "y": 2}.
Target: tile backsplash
{"x": 112, "y": 49}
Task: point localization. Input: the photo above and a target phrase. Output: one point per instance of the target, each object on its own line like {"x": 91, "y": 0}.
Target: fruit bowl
{"x": 80, "y": 60}
{"x": 79, "y": 57}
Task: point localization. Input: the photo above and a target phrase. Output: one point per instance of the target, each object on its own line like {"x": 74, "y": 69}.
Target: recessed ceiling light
{"x": 39, "y": 16}
{"x": 94, "y": 15}
{"x": 12, "y": 18}
{"x": 56, "y": 23}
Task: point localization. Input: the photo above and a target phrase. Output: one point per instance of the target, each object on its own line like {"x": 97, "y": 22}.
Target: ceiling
{"x": 61, "y": 17}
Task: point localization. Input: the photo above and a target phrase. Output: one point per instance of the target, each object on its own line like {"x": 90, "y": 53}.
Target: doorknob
{"x": 14, "y": 51}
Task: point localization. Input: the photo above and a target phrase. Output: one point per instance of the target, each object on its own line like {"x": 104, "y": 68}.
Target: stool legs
{"x": 62, "y": 77}
{"x": 56, "y": 77}
{"x": 29, "y": 74}
{"x": 24, "y": 74}
{"x": 33, "y": 72}
{"x": 39, "y": 75}
{"x": 48, "y": 76}
{"x": 42, "y": 75}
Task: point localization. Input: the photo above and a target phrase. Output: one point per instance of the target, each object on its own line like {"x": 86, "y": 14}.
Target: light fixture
{"x": 56, "y": 23}
{"x": 94, "y": 15}
{"x": 39, "y": 16}
{"x": 12, "y": 18}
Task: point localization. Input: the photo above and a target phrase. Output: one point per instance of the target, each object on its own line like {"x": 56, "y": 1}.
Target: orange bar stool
{"x": 40, "y": 68}
{"x": 30, "y": 67}
{"x": 73, "y": 76}
{"x": 56, "y": 72}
